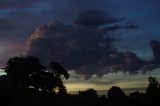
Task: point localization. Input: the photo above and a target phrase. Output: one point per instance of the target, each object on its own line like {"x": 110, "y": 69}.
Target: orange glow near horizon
{"x": 84, "y": 86}
{"x": 126, "y": 82}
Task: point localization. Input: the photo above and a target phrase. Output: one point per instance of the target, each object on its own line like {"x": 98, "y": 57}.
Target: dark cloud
{"x": 84, "y": 45}
{"x": 72, "y": 46}
{"x": 63, "y": 10}
{"x": 18, "y": 18}
{"x": 94, "y": 18}
{"x": 155, "y": 45}
{"x": 116, "y": 27}
{"x": 112, "y": 28}
{"x": 129, "y": 63}
{"x": 86, "y": 48}
{"x": 133, "y": 64}
{"x": 131, "y": 26}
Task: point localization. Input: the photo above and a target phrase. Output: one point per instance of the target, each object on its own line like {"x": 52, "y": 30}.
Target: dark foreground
{"x": 115, "y": 97}
{"x": 28, "y": 83}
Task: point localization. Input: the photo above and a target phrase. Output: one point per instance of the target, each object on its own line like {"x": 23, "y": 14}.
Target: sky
{"x": 87, "y": 36}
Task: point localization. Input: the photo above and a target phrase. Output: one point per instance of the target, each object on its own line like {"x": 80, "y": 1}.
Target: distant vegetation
{"x": 28, "y": 83}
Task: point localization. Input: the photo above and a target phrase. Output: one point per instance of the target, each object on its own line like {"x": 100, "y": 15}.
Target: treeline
{"x": 28, "y": 83}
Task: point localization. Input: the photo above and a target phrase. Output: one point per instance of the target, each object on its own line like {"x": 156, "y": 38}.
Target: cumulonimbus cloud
{"x": 86, "y": 47}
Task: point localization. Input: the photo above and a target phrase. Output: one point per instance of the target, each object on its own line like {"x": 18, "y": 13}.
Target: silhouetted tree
{"x": 46, "y": 81}
{"x": 35, "y": 84}
{"x": 89, "y": 93}
{"x": 136, "y": 98}
{"x": 152, "y": 94}
{"x": 116, "y": 93}
{"x": 29, "y": 72}
{"x": 153, "y": 87}
{"x": 58, "y": 70}
{"x": 4, "y": 81}
{"x": 20, "y": 68}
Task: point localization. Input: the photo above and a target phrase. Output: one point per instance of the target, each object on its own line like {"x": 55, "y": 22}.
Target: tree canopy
{"x": 29, "y": 72}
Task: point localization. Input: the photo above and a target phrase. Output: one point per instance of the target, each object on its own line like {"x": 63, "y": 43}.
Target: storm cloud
{"x": 81, "y": 39}
{"x": 72, "y": 46}
{"x": 87, "y": 49}
{"x": 85, "y": 46}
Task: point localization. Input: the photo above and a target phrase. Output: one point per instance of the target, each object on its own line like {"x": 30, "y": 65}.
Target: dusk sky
{"x": 84, "y": 36}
